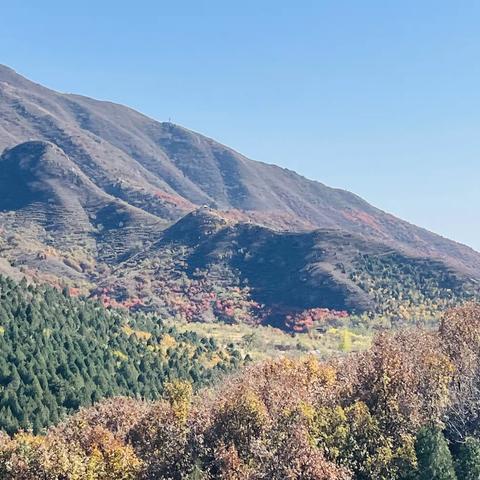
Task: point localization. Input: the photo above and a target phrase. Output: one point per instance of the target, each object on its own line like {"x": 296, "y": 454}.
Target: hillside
{"x": 50, "y": 206}
{"x": 58, "y": 227}
{"x": 139, "y": 259}
{"x": 101, "y": 199}
{"x": 208, "y": 266}
{"x": 167, "y": 171}
{"x": 58, "y": 353}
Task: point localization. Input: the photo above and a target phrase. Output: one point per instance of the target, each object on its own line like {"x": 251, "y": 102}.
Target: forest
{"x": 406, "y": 408}
{"x": 58, "y": 353}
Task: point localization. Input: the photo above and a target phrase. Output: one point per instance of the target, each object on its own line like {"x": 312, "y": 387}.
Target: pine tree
{"x": 468, "y": 460}
{"x": 434, "y": 458}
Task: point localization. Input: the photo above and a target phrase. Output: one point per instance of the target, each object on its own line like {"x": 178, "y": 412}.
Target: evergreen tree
{"x": 434, "y": 458}
{"x": 468, "y": 460}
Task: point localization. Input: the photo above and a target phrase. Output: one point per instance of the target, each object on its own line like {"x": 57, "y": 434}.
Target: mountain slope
{"x": 54, "y": 206}
{"x": 167, "y": 171}
{"x": 208, "y": 266}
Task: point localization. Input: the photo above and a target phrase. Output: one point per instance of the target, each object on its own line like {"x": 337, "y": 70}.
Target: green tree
{"x": 58, "y": 353}
{"x": 435, "y": 461}
{"x": 468, "y": 460}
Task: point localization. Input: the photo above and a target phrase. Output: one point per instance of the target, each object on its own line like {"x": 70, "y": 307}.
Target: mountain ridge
{"x": 90, "y": 187}
{"x": 210, "y": 265}
{"x": 169, "y": 170}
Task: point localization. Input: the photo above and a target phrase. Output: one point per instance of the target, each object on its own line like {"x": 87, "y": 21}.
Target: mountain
{"x": 106, "y": 200}
{"x": 53, "y": 202}
{"x": 167, "y": 170}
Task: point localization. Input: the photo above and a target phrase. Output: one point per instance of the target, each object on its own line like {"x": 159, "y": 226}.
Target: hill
{"x": 209, "y": 266}
{"x": 167, "y": 170}
{"x": 99, "y": 198}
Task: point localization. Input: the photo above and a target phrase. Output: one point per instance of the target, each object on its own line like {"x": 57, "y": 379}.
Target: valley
{"x": 170, "y": 309}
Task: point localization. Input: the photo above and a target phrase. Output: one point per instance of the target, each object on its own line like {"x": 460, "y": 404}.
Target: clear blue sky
{"x": 379, "y": 97}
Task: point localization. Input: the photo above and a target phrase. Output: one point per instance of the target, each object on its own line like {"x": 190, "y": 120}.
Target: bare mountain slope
{"x": 167, "y": 170}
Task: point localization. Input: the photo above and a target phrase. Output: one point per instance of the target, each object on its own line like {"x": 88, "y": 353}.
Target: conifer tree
{"x": 58, "y": 353}
{"x": 468, "y": 460}
{"x": 434, "y": 458}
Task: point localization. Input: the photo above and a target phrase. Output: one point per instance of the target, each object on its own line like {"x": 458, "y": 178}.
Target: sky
{"x": 381, "y": 98}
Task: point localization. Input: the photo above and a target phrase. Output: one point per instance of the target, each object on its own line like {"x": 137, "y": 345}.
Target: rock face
{"x": 88, "y": 187}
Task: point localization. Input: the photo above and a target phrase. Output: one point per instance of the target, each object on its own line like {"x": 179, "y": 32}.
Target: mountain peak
{"x": 39, "y": 172}
{"x": 39, "y": 157}
{"x": 34, "y": 146}
{"x": 196, "y": 225}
